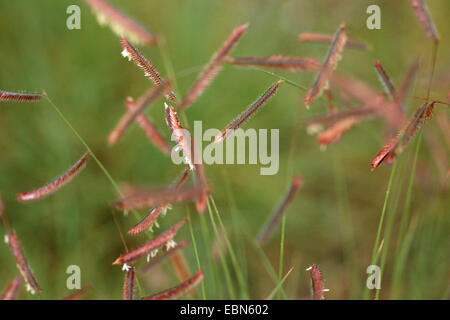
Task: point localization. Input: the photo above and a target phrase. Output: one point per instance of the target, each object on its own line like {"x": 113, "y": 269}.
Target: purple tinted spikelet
{"x": 277, "y": 62}
{"x": 56, "y": 184}
{"x": 20, "y": 97}
{"x": 165, "y": 238}
{"x": 247, "y": 114}
{"x": 213, "y": 67}
{"x": 120, "y": 23}
{"x": 12, "y": 290}
{"x": 135, "y": 110}
{"x": 180, "y": 290}
{"x": 334, "y": 54}
{"x": 129, "y": 283}
{"x": 130, "y": 52}
{"x": 424, "y": 17}
{"x": 274, "y": 220}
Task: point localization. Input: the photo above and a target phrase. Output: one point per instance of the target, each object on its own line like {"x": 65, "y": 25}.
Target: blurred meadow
{"x": 334, "y": 217}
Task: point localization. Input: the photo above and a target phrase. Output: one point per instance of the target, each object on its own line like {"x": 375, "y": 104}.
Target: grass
{"x": 402, "y": 208}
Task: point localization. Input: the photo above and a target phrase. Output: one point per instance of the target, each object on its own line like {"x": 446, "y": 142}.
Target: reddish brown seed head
{"x": 12, "y": 290}
{"x": 150, "y": 246}
{"x": 317, "y": 282}
{"x": 212, "y": 69}
{"x": 249, "y": 112}
{"x": 425, "y": 20}
{"x": 129, "y": 284}
{"x": 180, "y": 290}
{"x": 56, "y": 184}
{"x": 121, "y": 24}
{"x": 20, "y": 97}
{"x": 22, "y": 264}
{"x": 334, "y": 54}
{"x": 130, "y": 52}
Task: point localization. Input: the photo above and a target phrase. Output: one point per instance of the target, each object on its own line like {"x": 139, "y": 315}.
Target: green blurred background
{"x": 334, "y": 217}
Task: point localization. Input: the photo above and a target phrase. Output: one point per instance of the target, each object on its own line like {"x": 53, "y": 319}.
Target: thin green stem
{"x": 380, "y": 223}
{"x": 280, "y": 265}
{"x": 208, "y": 244}
{"x": 279, "y": 285}
{"x": 273, "y": 74}
{"x": 270, "y": 270}
{"x": 105, "y": 171}
{"x": 194, "y": 244}
{"x": 102, "y": 167}
{"x": 222, "y": 256}
{"x": 240, "y": 277}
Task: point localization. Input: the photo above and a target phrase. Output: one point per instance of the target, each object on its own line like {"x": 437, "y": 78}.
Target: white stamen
{"x": 170, "y": 244}
{"x": 164, "y": 211}
{"x": 30, "y": 289}
{"x": 126, "y": 54}
{"x": 154, "y": 253}
{"x": 126, "y": 267}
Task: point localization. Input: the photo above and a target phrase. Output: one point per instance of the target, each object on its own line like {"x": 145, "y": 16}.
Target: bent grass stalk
{"x": 279, "y": 285}
{"x": 102, "y": 168}
{"x": 267, "y": 265}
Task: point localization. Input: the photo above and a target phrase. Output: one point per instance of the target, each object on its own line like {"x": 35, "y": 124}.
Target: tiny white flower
{"x": 148, "y": 258}
{"x": 309, "y": 268}
{"x": 126, "y": 54}
{"x": 313, "y": 129}
{"x": 154, "y": 253}
{"x": 6, "y": 239}
{"x": 326, "y": 290}
{"x": 168, "y": 207}
{"x": 126, "y": 267}
{"x": 30, "y": 288}
{"x": 170, "y": 244}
